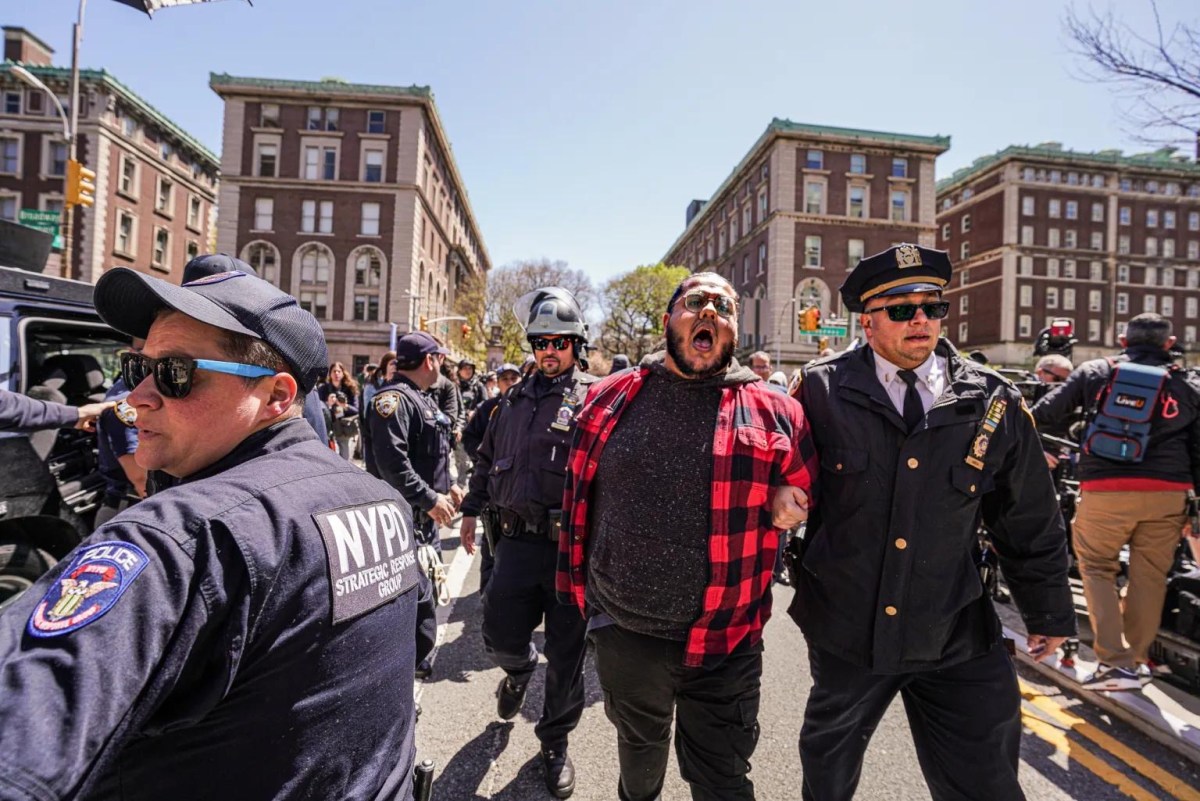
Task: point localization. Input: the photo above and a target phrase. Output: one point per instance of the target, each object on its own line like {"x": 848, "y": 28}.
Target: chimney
{"x": 23, "y": 47}
{"x": 694, "y": 208}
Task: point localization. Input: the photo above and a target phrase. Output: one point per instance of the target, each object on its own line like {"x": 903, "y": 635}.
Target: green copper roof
{"x": 787, "y": 126}
{"x": 1163, "y": 159}
{"x": 106, "y": 79}
{"x": 327, "y": 86}
{"x": 780, "y": 126}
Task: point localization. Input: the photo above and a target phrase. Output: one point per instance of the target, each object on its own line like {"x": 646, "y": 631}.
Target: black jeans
{"x": 519, "y": 594}
{"x": 716, "y": 715}
{"x": 965, "y": 721}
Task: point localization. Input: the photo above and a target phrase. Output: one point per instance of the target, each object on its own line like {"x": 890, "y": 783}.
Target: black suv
{"x": 53, "y": 346}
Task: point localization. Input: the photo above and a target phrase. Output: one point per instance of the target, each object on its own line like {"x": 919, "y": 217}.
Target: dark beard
{"x": 675, "y": 350}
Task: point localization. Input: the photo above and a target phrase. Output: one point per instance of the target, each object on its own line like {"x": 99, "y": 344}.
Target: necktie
{"x": 914, "y": 410}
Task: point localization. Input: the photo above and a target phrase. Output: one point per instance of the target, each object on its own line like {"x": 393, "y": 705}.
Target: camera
{"x": 341, "y": 397}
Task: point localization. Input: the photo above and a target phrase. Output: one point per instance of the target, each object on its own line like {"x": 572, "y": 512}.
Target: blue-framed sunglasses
{"x": 173, "y": 374}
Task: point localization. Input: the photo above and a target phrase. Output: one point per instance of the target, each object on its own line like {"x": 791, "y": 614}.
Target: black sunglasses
{"x": 545, "y": 343}
{"x": 173, "y": 374}
{"x": 696, "y": 300}
{"x": 903, "y": 312}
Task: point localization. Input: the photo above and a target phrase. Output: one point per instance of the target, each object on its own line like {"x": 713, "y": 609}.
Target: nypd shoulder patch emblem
{"x": 386, "y": 402}
{"x": 96, "y": 578}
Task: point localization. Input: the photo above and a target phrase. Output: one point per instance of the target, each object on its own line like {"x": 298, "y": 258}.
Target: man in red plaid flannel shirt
{"x": 682, "y": 474}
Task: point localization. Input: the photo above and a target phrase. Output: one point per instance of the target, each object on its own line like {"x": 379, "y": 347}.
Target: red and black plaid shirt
{"x": 761, "y": 442}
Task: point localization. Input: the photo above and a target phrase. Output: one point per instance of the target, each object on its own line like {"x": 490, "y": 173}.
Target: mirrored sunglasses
{"x": 173, "y": 375}
{"x": 903, "y": 312}
{"x": 545, "y": 343}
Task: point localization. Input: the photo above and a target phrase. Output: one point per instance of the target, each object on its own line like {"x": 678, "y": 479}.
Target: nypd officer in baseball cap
{"x": 251, "y": 630}
{"x": 918, "y": 445}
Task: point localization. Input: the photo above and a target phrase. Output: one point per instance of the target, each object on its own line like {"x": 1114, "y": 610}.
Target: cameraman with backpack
{"x": 1140, "y": 457}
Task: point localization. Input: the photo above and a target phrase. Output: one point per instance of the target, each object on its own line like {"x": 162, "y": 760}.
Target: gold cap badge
{"x": 908, "y": 256}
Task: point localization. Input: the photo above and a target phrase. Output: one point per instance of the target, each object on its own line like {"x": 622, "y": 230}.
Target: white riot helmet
{"x": 549, "y": 312}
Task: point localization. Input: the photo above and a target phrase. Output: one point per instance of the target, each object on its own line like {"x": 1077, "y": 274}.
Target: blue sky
{"x": 583, "y": 129}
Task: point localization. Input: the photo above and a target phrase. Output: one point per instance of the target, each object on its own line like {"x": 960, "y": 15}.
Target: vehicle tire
{"x": 21, "y": 565}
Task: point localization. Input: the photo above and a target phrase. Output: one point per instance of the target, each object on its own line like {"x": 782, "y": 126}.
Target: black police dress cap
{"x": 232, "y": 301}
{"x": 213, "y": 263}
{"x": 898, "y": 270}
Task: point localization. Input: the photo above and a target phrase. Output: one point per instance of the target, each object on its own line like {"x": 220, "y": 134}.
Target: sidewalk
{"x": 1160, "y": 710}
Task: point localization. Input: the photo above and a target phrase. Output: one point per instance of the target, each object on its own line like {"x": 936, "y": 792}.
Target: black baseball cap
{"x": 507, "y": 367}
{"x": 232, "y": 301}
{"x": 213, "y": 263}
{"x": 414, "y": 346}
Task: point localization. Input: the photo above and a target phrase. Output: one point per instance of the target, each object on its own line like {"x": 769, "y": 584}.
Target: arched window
{"x": 365, "y": 274}
{"x": 312, "y": 269}
{"x": 264, "y": 258}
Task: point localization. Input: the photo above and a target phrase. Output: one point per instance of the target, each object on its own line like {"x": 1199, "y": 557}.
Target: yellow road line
{"x": 1076, "y": 751}
{"x": 1178, "y": 788}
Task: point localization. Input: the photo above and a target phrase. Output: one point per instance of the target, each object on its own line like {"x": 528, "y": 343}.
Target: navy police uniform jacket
{"x": 245, "y": 634}
{"x": 888, "y": 579}
{"x": 410, "y": 439}
{"x": 521, "y": 464}
{"x": 22, "y": 413}
{"x": 115, "y": 439}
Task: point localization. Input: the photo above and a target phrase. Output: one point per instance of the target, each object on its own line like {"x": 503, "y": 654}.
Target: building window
{"x": 745, "y": 269}
{"x": 858, "y": 201}
{"x": 1096, "y": 271}
{"x": 160, "y": 257}
{"x": 899, "y": 206}
{"x": 964, "y": 304}
{"x": 1193, "y": 250}
{"x": 1094, "y": 300}
{"x": 1152, "y": 187}
{"x": 268, "y": 160}
{"x": 1168, "y": 248}
{"x": 1194, "y": 220}
{"x": 1189, "y": 308}
{"x": 1025, "y": 325}
{"x": 762, "y": 205}
{"x": 264, "y": 214}
{"x": 1122, "y": 303}
{"x": 1069, "y": 268}
{"x": 858, "y": 163}
{"x": 370, "y": 219}
{"x": 1068, "y": 299}
{"x": 315, "y": 303}
{"x": 1151, "y": 246}
{"x": 747, "y": 217}
{"x": 1072, "y": 210}
{"x": 1026, "y": 266}
{"x": 1051, "y": 297}
{"x": 812, "y": 251}
{"x": 1054, "y": 237}
{"x": 814, "y": 197}
{"x": 129, "y": 127}
{"x": 368, "y": 269}
{"x": 314, "y": 118}
{"x": 1052, "y": 268}
{"x": 268, "y": 116}
{"x": 314, "y": 266}
{"x": 1169, "y": 219}
{"x": 164, "y": 196}
{"x": 1124, "y": 215}
{"x": 373, "y": 166}
{"x": 815, "y": 160}
{"x": 12, "y": 102}
{"x": 964, "y": 251}
{"x": 128, "y": 182}
{"x": 1189, "y": 335}
{"x": 762, "y": 258}
{"x": 1168, "y": 276}
{"x": 945, "y": 232}
{"x": 1094, "y": 330}
{"x": 316, "y": 217}
{"x": 1027, "y": 174}
{"x": 10, "y": 155}
{"x": 1193, "y": 279}
{"x": 1149, "y": 303}
{"x": 855, "y": 250}
{"x": 1097, "y": 242}
{"x": 1097, "y": 212}
{"x": 1123, "y": 245}
{"x": 56, "y": 159}
{"x": 965, "y": 224}
{"x": 194, "y": 208}
{"x": 126, "y": 243}
{"x": 165, "y": 151}
{"x": 899, "y": 168}
{"x": 962, "y": 333}
{"x": 35, "y": 102}
{"x": 265, "y": 261}
{"x": 320, "y": 163}
{"x": 1026, "y": 295}
{"x": 376, "y": 121}
{"x": 1028, "y": 205}
{"x": 1168, "y": 306}
{"x": 1026, "y": 234}
{"x": 1151, "y": 218}
{"x": 1055, "y": 208}
{"x": 1151, "y": 276}
{"x": 1122, "y": 273}
{"x": 1070, "y": 238}
{"x": 366, "y": 308}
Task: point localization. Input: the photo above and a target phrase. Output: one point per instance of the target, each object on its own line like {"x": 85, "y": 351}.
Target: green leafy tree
{"x": 633, "y": 306}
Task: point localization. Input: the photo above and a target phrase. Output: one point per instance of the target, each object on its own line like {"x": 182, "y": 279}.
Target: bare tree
{"x": 490, "y": 300}
{"x": 1158, "y": 72}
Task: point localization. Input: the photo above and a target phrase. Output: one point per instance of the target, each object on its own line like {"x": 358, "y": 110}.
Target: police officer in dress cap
{"x": 251, "y": 630}
{"x": 519, "y": 477}
{"x": 918, "y": 445}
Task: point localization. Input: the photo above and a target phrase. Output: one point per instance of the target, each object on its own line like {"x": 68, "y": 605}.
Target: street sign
{"x": 43, "y": 221}
{"x": 831, "y": 331}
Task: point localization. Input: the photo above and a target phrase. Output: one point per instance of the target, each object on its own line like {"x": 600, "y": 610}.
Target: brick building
{"x": 156, "y": 186}
{"x": 1038, "y": 233}
{"x": 348, "y": 197}
{"x": 798, "y": 212}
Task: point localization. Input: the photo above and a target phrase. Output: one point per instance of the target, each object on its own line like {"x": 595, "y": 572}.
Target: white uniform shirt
{"x": 931, "y": 380}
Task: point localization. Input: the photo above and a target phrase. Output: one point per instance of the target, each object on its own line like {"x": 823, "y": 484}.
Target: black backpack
{"x": 1120, "y": 427}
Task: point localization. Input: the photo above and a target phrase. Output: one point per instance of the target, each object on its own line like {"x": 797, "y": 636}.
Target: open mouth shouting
{"x": 704, "y": 338}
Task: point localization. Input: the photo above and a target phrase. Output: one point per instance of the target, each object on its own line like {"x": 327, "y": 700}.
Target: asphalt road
{"x": 1068, "y": 749}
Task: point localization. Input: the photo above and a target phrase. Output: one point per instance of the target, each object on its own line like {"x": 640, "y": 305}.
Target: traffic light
{"x": 424, "y": 323}
{"x": 809, "y": 319}
{"x": 81, "y": 184}
{"x": 466, "y": 332}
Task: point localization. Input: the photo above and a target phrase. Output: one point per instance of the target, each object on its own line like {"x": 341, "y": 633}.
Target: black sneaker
{"x": 509, "y": 698}
{"x": 1113, "y": 679}
{"x": 560, "y": 773}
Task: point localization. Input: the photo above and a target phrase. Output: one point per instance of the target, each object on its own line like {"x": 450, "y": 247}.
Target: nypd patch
{"x": 88, "y": 588}
{"x": 386, "y": 402}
